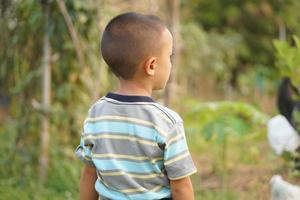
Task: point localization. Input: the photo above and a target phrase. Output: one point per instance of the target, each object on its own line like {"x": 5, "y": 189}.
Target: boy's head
{"x": 134, "y": 44}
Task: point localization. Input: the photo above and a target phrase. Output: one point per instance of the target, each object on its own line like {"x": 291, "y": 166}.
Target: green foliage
{"x": 223, "y": 126}
{"x": 209, "y": 53}
{"x": 241, "y": 117}
{"x": 288, "y": 64}
{"x": 296, "y": 117}
{"x": 222, "y": 121}
{"x": 292, "y": 160}
{"x": 18, "y": 177}
{"x": 72, "y": 91}
{"x": 219, "y": 124}
{"x": 252, "y": 25}
{"x": 288, "y": 59}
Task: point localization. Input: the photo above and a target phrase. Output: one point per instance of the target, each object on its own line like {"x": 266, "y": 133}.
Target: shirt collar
{"x": 129, "y": 98}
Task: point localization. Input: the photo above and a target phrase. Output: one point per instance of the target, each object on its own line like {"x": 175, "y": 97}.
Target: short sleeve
{"x": 83, "y": 151}
{"x": 177, "y": 159}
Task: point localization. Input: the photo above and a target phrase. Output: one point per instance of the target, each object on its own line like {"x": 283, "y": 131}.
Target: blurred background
{"x": 230, "y": 57}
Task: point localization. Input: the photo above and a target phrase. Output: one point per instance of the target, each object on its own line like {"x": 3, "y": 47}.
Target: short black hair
{"x": 128, "y": 39}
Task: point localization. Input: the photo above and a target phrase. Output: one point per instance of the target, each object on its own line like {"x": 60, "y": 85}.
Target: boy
{"x": 135, "y": 148}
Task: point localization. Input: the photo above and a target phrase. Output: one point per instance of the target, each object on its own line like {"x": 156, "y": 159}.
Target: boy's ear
{"x": 150, "y": 66}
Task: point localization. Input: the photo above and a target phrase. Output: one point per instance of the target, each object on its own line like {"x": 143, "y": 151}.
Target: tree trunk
{"x": 173, "y": 21}
{"x": 72, "y": 31}
{"x": 46, "y": 84}
{"x": 281, "y": 30}
{"x": 98, "y": 77}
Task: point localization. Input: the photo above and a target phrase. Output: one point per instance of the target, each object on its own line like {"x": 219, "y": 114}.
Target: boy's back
{"x": 136, "y": 146}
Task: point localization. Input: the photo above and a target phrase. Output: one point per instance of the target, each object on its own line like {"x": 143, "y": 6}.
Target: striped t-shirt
{"x": 136, "y": 145}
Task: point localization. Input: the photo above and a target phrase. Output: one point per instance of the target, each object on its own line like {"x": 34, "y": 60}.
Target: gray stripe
{"x": 125, "y": 147}
{"x": 143, "y": 112}
{"x": 134, "y": 173}
{"x": 126, "y": 159}
{"x": 180, "y": 167}
{"x": 177, "y": 139}
{"x": 125, "y": 182}
{"x": 166, "y": 113}
{"x": 87, "y": 139}
{"x": 179, "y": 154}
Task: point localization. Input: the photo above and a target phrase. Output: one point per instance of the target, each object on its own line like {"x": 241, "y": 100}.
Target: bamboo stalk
{"x": 46, "y": 84}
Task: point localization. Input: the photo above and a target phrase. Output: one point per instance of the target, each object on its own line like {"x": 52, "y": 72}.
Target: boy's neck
{"x": 133, "y": 88}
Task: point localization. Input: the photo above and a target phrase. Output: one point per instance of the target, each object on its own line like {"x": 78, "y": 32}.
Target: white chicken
{"x": 282, "y": 136}
{"x": 282, "y": 190}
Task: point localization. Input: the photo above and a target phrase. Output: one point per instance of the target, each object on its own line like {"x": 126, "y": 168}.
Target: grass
{"x": 251, "y": 164}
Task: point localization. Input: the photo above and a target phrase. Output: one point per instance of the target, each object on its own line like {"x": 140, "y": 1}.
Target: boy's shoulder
{"x": 153, "y": 107}
{"x": 171, "y": 114}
